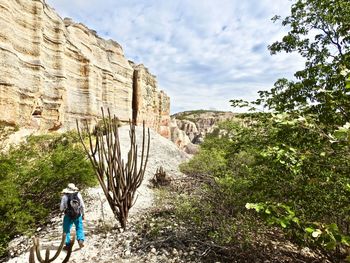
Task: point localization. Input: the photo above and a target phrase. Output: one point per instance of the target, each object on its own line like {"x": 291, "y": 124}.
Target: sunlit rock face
{"x": 54, "y": 72}
{"x": 149, "y": 104}
{"x": 195, "y": 125}
{"x": 178, "y": 136}
{"x": 188, "y": 127}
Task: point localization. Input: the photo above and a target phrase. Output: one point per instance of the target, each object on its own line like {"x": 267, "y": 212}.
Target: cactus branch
{"x": 119, "y": 179}
{"x": 32, "y": 255}
{"x": 36, "y": 249}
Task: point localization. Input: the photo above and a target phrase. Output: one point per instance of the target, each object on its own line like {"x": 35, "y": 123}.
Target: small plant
{"x": 160, "y": 178}
{"x": 327, "y": 236}
{"x": 103, "y": 227}
{"x": 6, "y": 129}
{"x": 102, "y": 126}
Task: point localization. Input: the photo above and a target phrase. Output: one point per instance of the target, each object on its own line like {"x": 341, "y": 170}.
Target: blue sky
{"x": 203, "y": 52}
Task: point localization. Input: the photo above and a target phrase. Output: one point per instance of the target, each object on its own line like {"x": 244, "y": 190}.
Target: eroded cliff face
{"x": 54, "y": 72}
{"x": 149, "y": 104}
{"x": 190, "y": 127}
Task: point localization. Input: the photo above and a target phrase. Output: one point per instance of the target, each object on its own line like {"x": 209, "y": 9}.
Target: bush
{"x": 280, "y": 159}
{"x": 208, "y": 162}
{"x": 32, "y": 178}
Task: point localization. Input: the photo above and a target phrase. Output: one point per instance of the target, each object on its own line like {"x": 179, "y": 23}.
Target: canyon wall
{"x": 149, "y": 104}
{"x": 54, "y": 72}
{"x": 189, "y": 128}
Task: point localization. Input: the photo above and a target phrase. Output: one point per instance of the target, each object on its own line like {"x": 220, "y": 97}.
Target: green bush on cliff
{"x": 32, "y": 177}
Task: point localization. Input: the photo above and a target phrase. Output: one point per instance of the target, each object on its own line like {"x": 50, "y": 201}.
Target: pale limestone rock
{"x": 191, "y": 148}
{"x": 149, "y": 104}
{"x": 178, "y": 136}
{"x": 195, "y": 125}
{"x": 55, "y": 71}
{"x": 188, "y": 127}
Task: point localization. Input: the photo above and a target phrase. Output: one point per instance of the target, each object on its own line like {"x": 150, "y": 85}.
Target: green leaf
{"x": 296, "y": 220}
{"x": 348, "y": 85}
{"x": 257, "y": 207}
{"x": 249, "y": 206}
{"x": 283, "y": 223}
{"x": 309, "y": 230}
{"x": 333, "y": 227}
{"x": 345, "y": 240}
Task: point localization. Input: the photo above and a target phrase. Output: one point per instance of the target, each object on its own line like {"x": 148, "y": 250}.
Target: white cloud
{"x": 203, "y": 52}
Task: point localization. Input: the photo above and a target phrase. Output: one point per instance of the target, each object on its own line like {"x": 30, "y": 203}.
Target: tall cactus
{"x": 119, "y": 180}
{"x": 35, "y": 249}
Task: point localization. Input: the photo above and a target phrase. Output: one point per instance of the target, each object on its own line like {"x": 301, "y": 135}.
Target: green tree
{"x": 300, "y": 168}
{"x": 319, "y": 30}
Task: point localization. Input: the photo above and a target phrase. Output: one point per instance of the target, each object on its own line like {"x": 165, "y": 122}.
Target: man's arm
{"x": 63, "y": 205}
{"x": 82, "y": 204}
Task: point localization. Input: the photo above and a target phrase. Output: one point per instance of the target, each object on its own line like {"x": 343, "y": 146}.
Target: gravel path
{"x": 103, "y": 242}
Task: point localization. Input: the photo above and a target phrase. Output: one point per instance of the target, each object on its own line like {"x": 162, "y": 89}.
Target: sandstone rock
{"x": 188, "y": 127}
{"x": 149, "y": 104}
{"x": 191, "y": 148}
{"x": 196, "y": 124}
{"x": 54, "y": 72}
{"x": 178, "y": 136}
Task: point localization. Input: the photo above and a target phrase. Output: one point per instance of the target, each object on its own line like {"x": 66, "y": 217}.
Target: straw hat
{"x": 71, "y": 188}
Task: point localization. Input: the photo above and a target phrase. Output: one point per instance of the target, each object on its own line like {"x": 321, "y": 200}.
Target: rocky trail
{"x": 104, "y": 241}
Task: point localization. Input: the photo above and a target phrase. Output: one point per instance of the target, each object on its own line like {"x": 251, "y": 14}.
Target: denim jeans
{"x": 67, "y": 225}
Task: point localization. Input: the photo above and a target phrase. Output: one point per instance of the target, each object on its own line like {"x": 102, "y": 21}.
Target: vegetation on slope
{"x": 286, "y": 169}
{"x": 32, "y": 178}
{"x": 194, "y": 115}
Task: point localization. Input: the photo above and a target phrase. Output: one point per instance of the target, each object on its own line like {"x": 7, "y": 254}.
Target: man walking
{"x": 73, "y": 206}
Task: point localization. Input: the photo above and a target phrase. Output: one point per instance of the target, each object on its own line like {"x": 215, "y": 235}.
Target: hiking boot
{"x": 81, "y": 243}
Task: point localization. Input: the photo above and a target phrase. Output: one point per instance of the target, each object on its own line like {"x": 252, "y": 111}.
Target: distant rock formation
{"x": 54, "y": 72}
{"x": 189, "y": 128}
{"x": 178, "y": 136}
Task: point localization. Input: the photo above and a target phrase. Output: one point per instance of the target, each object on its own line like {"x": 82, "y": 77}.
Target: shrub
{"x": 208, "y": 162}
{"x": 32, "y": 178}
{"x": 266, "y": 158}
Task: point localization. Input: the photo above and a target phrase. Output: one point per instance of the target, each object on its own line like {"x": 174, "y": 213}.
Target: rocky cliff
{"x": 149, "y": 104}
{"x": 190, "y": 127}
{"x": 54, "y": 72}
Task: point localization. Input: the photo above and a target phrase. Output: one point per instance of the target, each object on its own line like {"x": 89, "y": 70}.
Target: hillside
{"x": 103, "y": 242}
{"x": 189, "y": 128}
{"x": 195, "y": 115}
{"x": 156, "y": 230}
